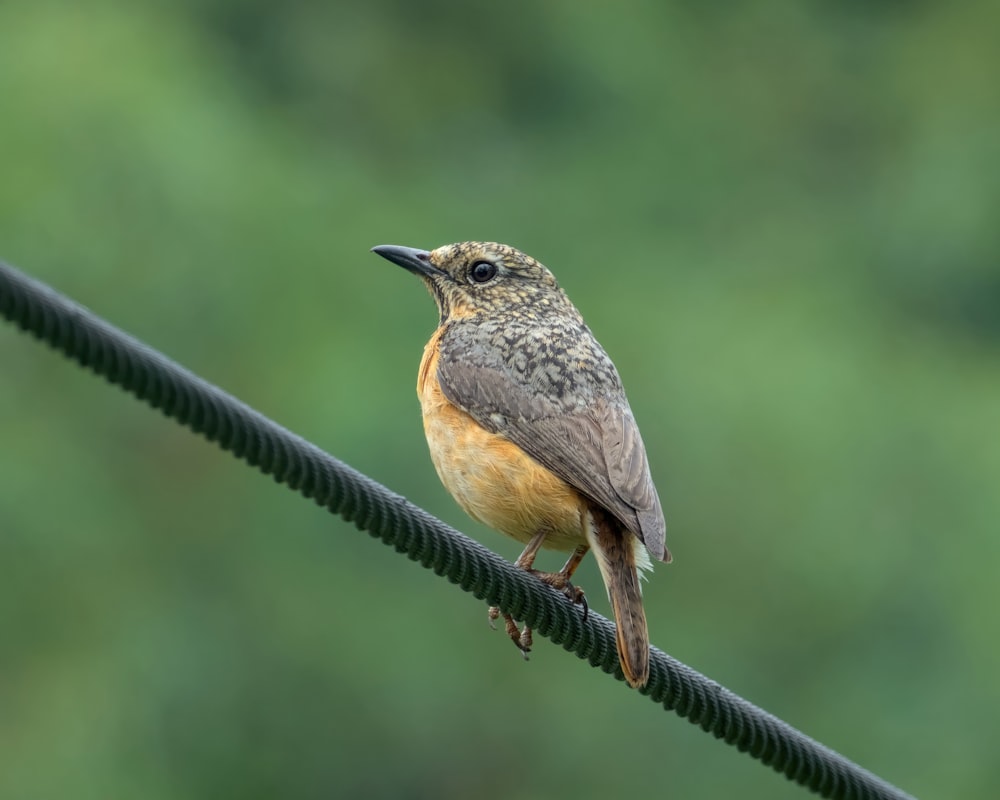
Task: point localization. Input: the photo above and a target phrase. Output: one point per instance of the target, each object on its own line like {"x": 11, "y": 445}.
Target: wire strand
{"x": 207, "y": 410}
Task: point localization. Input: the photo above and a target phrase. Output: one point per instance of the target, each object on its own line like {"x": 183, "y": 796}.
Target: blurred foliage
{"x": 779, "y": 218}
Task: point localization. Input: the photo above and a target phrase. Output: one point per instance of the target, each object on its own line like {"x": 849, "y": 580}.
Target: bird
{"x": 529, "y": 429}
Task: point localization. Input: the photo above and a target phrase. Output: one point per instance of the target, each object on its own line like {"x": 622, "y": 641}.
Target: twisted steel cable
{"x": 181, "y": 395}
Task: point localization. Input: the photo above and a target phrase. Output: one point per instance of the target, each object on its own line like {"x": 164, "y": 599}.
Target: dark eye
{"x": 483, "y": 271}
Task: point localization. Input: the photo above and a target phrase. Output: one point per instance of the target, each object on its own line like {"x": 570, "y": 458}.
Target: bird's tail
{"x": 615, "y": 550}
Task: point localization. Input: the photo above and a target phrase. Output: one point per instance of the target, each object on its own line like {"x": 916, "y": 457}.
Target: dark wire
{"x": 181, "y": 395}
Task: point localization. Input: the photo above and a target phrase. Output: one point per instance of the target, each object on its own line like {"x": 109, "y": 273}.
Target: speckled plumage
{"x": 529, "y": 427}
{"x": 518, "y": 357}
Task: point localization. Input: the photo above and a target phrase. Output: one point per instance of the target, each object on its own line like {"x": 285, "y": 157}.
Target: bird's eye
{"x": 483, "y": 271}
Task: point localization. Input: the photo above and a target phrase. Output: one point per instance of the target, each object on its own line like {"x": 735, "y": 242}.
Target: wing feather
{"x": 596, "y": 448}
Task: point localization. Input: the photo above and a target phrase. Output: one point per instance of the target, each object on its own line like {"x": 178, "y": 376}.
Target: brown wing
{"x": 596, "y": 449}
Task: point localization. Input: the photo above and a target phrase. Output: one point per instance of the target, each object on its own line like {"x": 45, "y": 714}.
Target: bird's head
{"x": 471, "y": 278}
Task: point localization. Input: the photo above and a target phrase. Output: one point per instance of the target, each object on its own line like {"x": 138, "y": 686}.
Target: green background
{"x": 781, "y": 219}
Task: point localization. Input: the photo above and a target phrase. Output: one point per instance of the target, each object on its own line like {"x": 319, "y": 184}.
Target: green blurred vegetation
{"x": 779, "y": 218}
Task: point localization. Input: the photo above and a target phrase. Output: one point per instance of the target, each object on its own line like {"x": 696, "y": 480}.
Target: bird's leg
{"x": 522, "y": 638}
{"x": 560, "y": 580}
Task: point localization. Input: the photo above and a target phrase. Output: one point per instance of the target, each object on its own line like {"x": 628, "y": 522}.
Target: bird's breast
{"x": 490, "y": 477}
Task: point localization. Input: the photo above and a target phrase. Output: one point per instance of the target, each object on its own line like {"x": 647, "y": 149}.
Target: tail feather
{"x": 615, "y": 551}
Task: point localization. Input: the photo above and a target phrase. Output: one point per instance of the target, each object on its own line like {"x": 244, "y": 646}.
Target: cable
{"x": 181, "y": 395}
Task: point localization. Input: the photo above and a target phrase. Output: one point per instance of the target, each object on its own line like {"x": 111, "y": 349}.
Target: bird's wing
{"x": 596, "y": 449}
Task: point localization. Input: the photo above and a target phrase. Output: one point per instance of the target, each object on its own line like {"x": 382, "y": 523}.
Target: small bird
{"x": 530, "y": 431}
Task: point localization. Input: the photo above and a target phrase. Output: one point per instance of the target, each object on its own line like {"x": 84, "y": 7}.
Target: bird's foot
{"x": 522, "y": 638}
{"x": 560, "y": 581}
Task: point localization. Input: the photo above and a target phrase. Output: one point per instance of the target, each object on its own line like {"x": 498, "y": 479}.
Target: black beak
{"x": 416, "y": 261}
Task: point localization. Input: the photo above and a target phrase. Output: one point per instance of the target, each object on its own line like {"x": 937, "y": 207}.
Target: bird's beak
{"x": 416, "y": 261}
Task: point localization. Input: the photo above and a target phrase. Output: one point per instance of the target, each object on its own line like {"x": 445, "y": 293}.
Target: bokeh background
{"x": 781, "y": 219}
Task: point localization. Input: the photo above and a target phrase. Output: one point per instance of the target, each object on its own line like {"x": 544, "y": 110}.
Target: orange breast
{"x": 492, "y": 479}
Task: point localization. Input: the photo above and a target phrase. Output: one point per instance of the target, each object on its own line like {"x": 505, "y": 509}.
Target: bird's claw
{"x": 522, "y": 638}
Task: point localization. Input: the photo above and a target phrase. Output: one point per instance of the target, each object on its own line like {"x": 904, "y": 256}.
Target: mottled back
{"x": 516, "y": 355}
